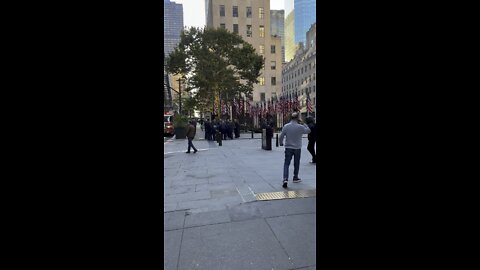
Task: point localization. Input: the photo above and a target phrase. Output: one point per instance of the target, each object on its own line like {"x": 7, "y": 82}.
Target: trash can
{"x": 267, "y": 135}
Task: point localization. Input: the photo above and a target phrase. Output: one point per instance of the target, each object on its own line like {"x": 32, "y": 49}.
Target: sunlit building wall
{"x": 251, "y": 20}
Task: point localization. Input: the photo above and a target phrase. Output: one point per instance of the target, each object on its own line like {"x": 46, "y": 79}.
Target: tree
{"x": 216, "y": 62}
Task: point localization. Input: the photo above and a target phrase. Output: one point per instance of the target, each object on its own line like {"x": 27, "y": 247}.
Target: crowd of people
{"x": 228, "y": 129}
{"x": 291, "y": 133}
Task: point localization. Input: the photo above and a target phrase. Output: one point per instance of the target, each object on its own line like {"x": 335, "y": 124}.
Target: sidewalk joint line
{"x": 181, "y": 241}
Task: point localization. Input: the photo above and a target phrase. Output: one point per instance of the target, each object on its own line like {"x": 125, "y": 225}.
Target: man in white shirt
{"x": 293, "y": 145}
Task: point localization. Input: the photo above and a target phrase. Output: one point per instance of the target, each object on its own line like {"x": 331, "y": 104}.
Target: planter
{"x": 180, "y": 133}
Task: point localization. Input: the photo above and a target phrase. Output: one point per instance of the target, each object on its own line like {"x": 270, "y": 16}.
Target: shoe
{"x": 188, "y": 152}
{"x": 297, "y": 180}
{"x": 195, "y": 151}
{"x": 285, "y": 182}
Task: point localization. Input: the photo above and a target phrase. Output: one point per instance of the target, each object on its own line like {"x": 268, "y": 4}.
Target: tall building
{"x": 173, "y": 24}
{"x": 277, "y": 22}
{"x": 251, "y": 20}
{"x": 299, "y": 75}
{"x": 172, "y": 27}
{"x": 299, "y": 16}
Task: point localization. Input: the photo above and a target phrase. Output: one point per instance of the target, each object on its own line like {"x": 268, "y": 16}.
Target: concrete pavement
{"x": 212, "y": 217}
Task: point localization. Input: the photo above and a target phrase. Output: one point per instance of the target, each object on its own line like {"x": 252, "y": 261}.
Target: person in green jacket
{"x": 191, "y": 130}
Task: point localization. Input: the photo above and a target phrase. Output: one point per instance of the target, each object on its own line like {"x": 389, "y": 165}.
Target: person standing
{"x": 312, "y": 137}
{"x": 191, "y": 130}
{"x": 207, "y": 130}
{"x": 293, "y": 145}
{"x": 230, "y": 126}
{"x": 237, "y": 129}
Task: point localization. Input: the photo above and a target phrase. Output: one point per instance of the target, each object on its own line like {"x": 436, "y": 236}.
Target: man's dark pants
{"x": 289, "y": 153}
{"x": 311, "y": 149}
{"x": 190, "y": 144}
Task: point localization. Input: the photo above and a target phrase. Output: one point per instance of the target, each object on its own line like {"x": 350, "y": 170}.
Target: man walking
{"x": 312, "y": 137}
{"x": 190, "y": 135}
{"x": 293, "y": 146}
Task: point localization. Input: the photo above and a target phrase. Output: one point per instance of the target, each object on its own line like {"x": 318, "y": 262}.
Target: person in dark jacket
{"x": 214, "y": 129}
{"x": 312, "y": 137}
{"x": 237, "y": 129}
{"x": 230, "y": 127}
{"x": 191, "y": 130}
{"x": 223, "y": 130}
{"x": 208, "y": 129}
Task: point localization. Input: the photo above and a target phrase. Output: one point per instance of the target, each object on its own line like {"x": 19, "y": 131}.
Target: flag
{"x": 309, "y": 103}
{"x": 242, "y": 106}
{"x": 237, "y": 107}
{"x": 279, "y": 106}
{"x": 224, "y": 107}
{"x": 297, "y": 104}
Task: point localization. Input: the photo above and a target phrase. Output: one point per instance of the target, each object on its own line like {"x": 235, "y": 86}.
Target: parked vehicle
{"x": 168, "y": 127}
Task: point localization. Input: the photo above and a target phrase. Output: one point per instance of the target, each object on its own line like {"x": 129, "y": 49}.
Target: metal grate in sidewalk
{"x": 285, "y": 195}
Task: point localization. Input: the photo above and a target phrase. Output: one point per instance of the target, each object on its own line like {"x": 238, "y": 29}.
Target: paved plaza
{"x": 212, "y": 219}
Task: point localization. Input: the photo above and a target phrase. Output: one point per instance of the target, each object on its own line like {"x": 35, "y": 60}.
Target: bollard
{"x": 219, "y": 138}
{"x": 252, "y": 134}
{"x": 277, "y": 141}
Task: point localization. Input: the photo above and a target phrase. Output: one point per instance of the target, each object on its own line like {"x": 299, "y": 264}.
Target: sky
{"x": 194, "y": 11}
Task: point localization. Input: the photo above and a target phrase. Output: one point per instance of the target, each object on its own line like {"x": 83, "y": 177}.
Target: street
{"x": 214, "y": 215}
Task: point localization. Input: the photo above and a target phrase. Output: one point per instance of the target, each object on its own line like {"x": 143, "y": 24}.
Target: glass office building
{"x": 299, "y": 17}
{"x": 277, "y": 21}
{"x": 173, "y": 24}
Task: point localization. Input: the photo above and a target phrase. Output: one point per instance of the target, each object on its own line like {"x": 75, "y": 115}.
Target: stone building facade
{"x": 299, "y": 75}
{"x": 251, "y": 20}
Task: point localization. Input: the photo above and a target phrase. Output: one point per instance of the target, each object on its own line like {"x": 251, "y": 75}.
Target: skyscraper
{"x": 299, "y": 17}
{"x": 173, "y": 24}
{"x": 277, "y": 21}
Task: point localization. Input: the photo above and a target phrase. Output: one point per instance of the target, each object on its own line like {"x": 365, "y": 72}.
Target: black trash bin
{"x": 267, "y": 135}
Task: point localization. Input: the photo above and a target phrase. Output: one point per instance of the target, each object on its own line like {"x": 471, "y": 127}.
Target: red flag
{"x": 297, "y": 104}
{"x": 242, "y": 106}
{"x": 224, "y": 107}
{"x": 309, "y": 103}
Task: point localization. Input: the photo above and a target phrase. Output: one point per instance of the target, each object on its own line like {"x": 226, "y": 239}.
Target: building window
{"x": 249, "y": 12}
{"x": 261, "y": 49}
{"x": 222, "y": 11}
{"x": 313, "y": 100}
{"x": 274, "y": 81}
{"x": 222, "y": 25}
{"x": 260, "y": 13}
{"x": 273, "y": 65}
{"x": 249, "y": 30}
{"x": 235, "y": 28}
{"x": 272, "y": 49}
{"x": 262, "y": 80}
{"x": 262, "y": 97}
{"x": 262, "y": 31}
{"x": 314, "y": 88}
{"x": 314, "y": 76}
{"x": 235, "y": 11}
{"x": 309, "y": 66}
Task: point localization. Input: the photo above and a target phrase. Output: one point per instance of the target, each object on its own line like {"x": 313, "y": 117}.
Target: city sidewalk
{"x": 212, "y": 219}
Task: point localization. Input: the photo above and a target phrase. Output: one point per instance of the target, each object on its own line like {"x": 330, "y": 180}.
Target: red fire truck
{"x": 168, "y": 128}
